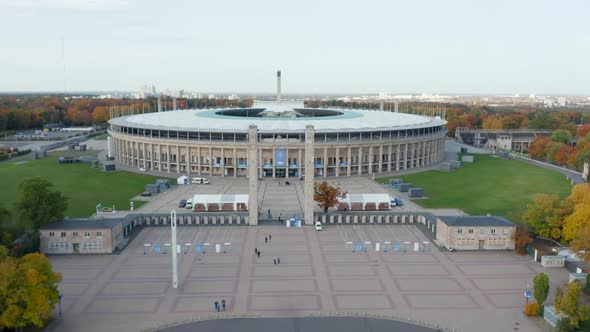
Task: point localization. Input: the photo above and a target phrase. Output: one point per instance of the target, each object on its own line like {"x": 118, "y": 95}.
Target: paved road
{"x": 340, "y": 324}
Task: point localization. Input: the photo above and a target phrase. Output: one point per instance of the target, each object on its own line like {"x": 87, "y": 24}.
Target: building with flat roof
{"x": 475, "y": 232}
{"x": 81, "y": 236}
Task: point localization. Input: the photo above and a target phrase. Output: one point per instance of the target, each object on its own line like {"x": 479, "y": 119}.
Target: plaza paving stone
{"x": 318, "y": 274}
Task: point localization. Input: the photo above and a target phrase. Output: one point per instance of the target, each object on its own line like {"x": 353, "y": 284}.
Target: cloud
{"x": 84, "y": 5}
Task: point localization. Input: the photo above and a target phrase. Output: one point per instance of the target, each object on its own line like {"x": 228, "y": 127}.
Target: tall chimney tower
{"x": 278, "y": 85}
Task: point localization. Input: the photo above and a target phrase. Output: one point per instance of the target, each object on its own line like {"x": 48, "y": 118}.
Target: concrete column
{"x": 325, "y": 160}
{"x": 309, "y": 174}
{"x": 222, "y": 162}
{"x": 380, "y": 167}
{"x": 210, "y": 161}
{"x": 349, "y": 160}
{"x": 168, "y": 159}
{"x": 371, "y": 156}
{"x": 360, "y": 161}
{"x": 199, "y": 159}
{"x": 286, "y": 163}
{"x": 252, "y": 175}
{"x": 177, "y": 158}
{"x": 274, "y": 163}
{"x": 299, "y": 161}
{"x": 337, "y": 161}
{"x": 188, "y": 160}
{"x": 144, "y": 155}
{"x": 424, "y": 158}
{"x": 405, "y": 161}
{"x": 160, "y": 157}
{"x": 389, "y": 158}
{"x": 260, "y": 163}
{"x": 235, "y": 161}
{"x": 151, "y": 156}
{"x": 397, "y": 156}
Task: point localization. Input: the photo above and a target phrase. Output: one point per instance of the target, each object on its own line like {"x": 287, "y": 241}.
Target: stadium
{"x": 218, "y": 142}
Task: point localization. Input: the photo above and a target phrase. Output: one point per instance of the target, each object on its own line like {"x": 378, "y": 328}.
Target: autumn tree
{"x": 562, "y": 136}
{"x": 37, "y": 204}
{"x": 327, "y": 195}
{"x": 28, "y": 290}
{"x": 570, "y": 304}
{"x": 581, "y": 244}
{"x": 580, "y": 217}
{"x": 522, "y": 237}
{"x": 583, "y": 130}
{"x": 546, "y": 215}
{"x": 539, "y": 146}
{"x": 541, "y": 286}
{"x": 563, "y": 155}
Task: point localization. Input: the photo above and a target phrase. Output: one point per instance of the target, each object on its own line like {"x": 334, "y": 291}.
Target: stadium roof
{"x": 211, "y": 121}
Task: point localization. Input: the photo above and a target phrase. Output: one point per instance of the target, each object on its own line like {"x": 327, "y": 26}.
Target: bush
{"x": 532, "y": 309}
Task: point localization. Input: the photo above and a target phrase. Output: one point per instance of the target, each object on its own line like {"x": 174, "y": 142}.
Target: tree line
{"x": 33, "y": 111}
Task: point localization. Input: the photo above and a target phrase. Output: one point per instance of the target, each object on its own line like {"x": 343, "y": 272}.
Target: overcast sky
{"x": 431, "y": 46}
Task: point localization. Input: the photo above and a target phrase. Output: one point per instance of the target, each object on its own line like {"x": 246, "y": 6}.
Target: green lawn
{"x": 84, "y": 186}
{"x": 489, "y": 185}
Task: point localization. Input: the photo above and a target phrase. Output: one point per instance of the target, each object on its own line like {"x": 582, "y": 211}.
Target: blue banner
{"x": 281, "y": 156}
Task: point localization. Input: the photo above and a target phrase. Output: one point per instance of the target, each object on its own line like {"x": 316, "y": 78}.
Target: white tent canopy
{"x": 182, "y": 180}
{"x": 366, "y": 198}
{"x": 221, "y": 200}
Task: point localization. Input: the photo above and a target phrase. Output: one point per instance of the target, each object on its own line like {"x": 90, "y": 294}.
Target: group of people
{"x": 220, "y": 306}
{"x": 267, "y": 239}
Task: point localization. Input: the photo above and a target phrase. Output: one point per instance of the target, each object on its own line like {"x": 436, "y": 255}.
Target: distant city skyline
{"x": 328, "y": 47}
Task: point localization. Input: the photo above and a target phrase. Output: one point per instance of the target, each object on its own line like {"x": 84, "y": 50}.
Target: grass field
{"x": 489, "y": 185}
{"x": 84, "y": 186}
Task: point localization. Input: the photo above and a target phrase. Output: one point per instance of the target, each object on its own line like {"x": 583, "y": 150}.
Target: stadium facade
{"x": 284, "y": 138}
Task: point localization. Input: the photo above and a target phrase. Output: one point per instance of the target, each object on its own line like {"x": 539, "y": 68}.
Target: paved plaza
{"x": 274, "y": 194}
{"x": 318, "y": 274}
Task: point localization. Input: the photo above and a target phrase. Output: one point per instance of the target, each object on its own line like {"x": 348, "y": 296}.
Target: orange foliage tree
{"x": 539, "y": 146}
{"x": 327, "y": 195}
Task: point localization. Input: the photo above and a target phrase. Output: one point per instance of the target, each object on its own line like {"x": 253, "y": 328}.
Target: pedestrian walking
{"x": 268, "y": 211}
{"x": 223, "y": 304}
{"x": 216, "y": 305}
{"x": 269, "y": 237}
{"x": 255, "y": 251}
{"x": 279, "y": 260}
{"x": 265, "y": 239}
{"x": 258, "y": 253}
{"x": 274, "y": 260}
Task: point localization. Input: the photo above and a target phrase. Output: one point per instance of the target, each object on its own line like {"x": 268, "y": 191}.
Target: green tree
{"x": 6, "y": 236}
{"x": 546, "y": 215}
{"x": 28, "y": 290}
{"x": 562, "y": 136}
{"x": 541, "y": 284}
{"x": 327, "y": 195}
{"x": 37, "y": 204}
{"x": 570, "y": 304}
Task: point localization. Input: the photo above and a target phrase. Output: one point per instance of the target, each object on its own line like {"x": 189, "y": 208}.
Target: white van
{"x": 189, "y": 204}
{"x": 199, "y": 181}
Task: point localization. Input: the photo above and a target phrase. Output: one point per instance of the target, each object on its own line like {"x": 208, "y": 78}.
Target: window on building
{"x": 493, "y": 231}
{"x": 505, "y": 231}
{"x": 98, "y": 234}
{"x": 63, "y": 234}
{"x": 86, "y": 234}
{"x": 51, "y": 234}
{"x": 75, "y": 234}
{"x": 471, "y": 231}
{"x": 460, "y": 231}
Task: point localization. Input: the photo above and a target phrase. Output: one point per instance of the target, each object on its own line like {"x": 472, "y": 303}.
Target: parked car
{"x": 396, "y": 201}
{"x": 199, "y": 181}
{"x": 318, "y": 226}
{"x": 182, "y": 203}
{"x": 142, "y": 169}
{"x": 189, "y": 204}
